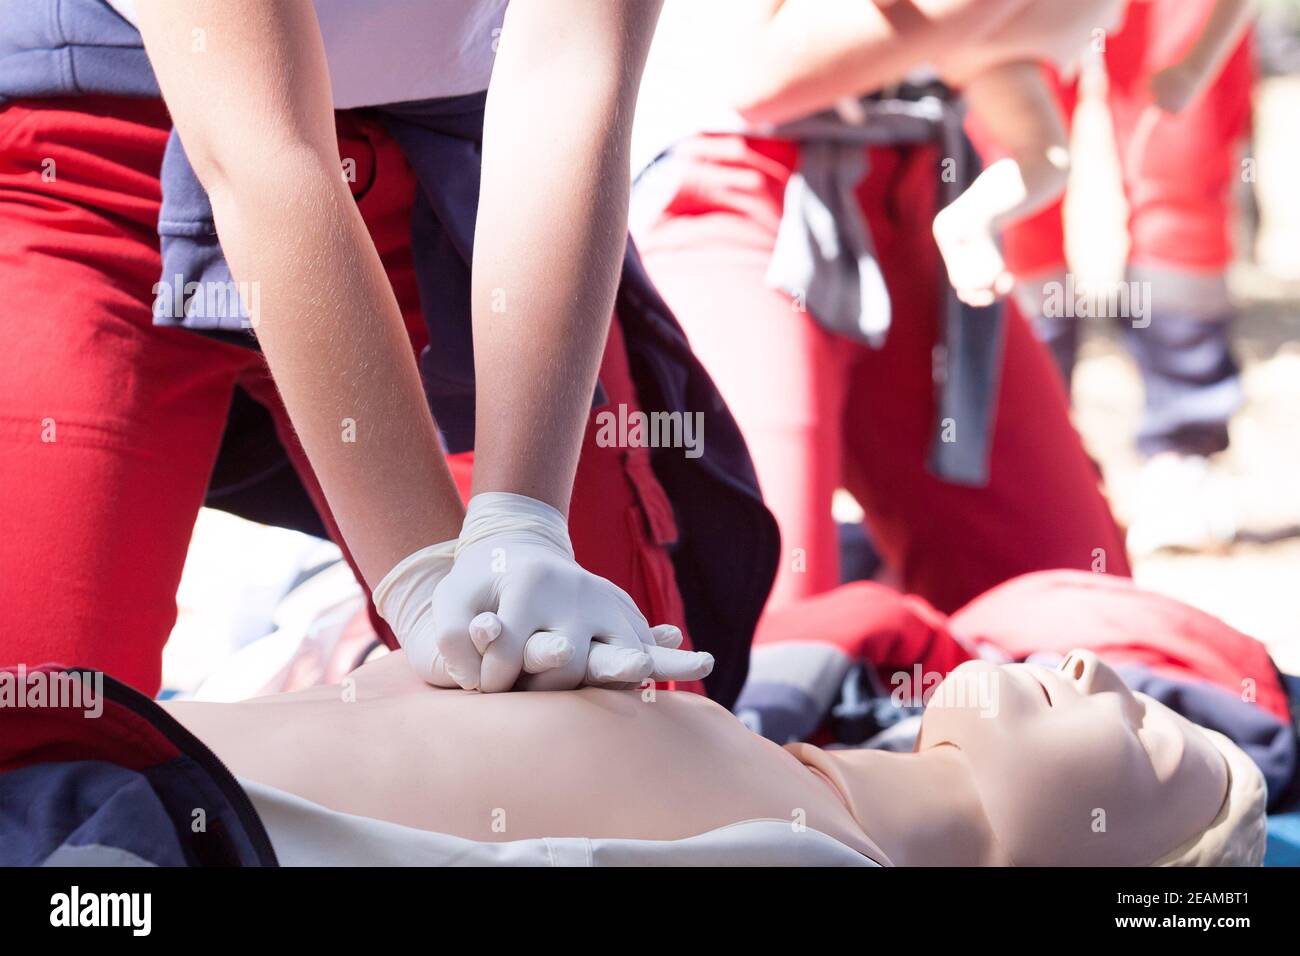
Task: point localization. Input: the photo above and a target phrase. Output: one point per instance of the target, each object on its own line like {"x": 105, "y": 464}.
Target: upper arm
{"x": 246, "y": 82}
{"x": 1013, "y": 103}
{"x": 798, "y": 56}
{"x": 578, "y": 55}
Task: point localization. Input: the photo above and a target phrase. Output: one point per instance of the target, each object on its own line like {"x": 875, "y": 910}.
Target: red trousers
{"x": 109, "y": 426}
{"x": 820, "y": 412}
{"x": 1179, "y": 186}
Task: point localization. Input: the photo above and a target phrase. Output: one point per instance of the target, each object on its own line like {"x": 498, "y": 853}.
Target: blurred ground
{"x": 1255, "y": 584}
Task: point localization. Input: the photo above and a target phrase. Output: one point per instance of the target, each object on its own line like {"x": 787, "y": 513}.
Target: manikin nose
{"x": 1081, "y": 669}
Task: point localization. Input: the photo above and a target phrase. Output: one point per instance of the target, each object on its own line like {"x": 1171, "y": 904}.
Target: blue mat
{"x": 1284, "y": 828}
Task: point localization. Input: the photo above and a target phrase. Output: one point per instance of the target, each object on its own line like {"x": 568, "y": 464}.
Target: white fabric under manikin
{"x": 307, "y": 834}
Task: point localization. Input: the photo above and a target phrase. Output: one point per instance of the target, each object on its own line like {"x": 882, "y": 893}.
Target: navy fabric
{"x": 1290, "y": 799}
{"x": 727, "y": 551}
{"x": 85, "y": 803}
{"x": 728, "y": 544}
{"x": 1192, "y": 383}
{"x": 786, "y": 712}
{"x": 1265, "y": 739}
{"x": 1191, "y": 379}
{"x": 131, "y": 780}
{"x": 866, "y": 707}
{"x": 783, "y": 713}
{"x": 70, "y": 47}
{"x": 441, "y": 140}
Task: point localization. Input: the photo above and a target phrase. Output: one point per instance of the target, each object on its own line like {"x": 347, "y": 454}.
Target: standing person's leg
{"x": 1042, "y": 506}
{"x": 109, "y": 426}
{"x": 781, "y": 373}
{"x": 1179, "y": 178}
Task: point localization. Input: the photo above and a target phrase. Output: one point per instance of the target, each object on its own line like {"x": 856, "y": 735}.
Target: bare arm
{"x": 1014, "y": 104}
{"x": 552, "y": 228}
{"x": 1222, "y": 32}
{"x": 1176, "y": 87}
{"x": 799, "y": 56}
{"x": 254, "y": 111}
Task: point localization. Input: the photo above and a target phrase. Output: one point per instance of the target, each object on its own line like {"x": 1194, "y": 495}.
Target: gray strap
{"x": 824, "y": 257}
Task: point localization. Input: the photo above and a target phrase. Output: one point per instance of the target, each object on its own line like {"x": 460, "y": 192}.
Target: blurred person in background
{"x": 796, "y": 154}
{"x": 1180, "y": 75}
{"x": 1277, "y": 140}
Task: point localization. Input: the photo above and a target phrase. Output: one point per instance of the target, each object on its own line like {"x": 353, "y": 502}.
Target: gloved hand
{"x": 404, "y": 599}
{"x": 508, "y": 598}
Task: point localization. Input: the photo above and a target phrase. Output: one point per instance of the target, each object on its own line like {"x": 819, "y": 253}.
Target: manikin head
{"x": 1073, "y": 768}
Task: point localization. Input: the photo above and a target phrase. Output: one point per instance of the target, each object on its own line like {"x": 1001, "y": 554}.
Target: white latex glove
{"x": 404, "y": 599}
{"x": 515, "y": 602}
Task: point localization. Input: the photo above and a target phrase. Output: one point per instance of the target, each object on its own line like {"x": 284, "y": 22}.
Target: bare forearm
{"x": 253, "y": 108}
{"x": 545, "y": 272}
{"x": 333, "y": 336}
{"x": 801, "y": 56}
{"x": 1218, "y": 39}
{"x": 552, "y": 229}
{"x": 1017, "y": 110}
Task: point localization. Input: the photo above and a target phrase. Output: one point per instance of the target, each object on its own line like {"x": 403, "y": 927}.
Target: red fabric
{"x": 1047, "y": 612}
{"x": 870, "y": 622}
{"x": 819, "y": 412}
{"x": 50, "y": 734}
{"x": 1180, "y": 193}
{"x": 96, "y": 522}
{"x": 1057, "y": 611}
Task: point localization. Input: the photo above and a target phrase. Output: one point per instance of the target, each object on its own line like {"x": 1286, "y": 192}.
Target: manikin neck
{"x": 921, "y": 809}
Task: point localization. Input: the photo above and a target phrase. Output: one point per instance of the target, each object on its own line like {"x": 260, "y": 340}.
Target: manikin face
{"x": 1072, "y": 767}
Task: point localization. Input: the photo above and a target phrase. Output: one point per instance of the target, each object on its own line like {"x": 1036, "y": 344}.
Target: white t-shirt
{"x": 387, "y": 51}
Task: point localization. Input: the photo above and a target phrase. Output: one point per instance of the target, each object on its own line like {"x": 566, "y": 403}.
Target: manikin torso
{"x": 1013, "y": 765}
{"x": 594, "y": 763}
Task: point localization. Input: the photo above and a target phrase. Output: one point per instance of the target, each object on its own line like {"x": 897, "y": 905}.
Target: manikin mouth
{"x": 1046, "y": 693}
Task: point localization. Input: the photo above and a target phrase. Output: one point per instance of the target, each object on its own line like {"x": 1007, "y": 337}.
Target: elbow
{"x": 755, "y": 98}
{"x": 765, "y": 98}
{"x": 760, "y": 111}
{"x": 1054, "y": 164}
{"x": 763, "y": 89}
{"x": 237, "y": 174}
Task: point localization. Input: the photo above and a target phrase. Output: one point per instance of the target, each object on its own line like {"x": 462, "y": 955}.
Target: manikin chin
{"x": 1069, "y": 767}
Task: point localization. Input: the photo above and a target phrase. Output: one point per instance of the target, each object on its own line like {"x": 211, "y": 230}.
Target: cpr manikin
{"x": 1015, "y": 764}
{"x": 1001, "y": 76}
